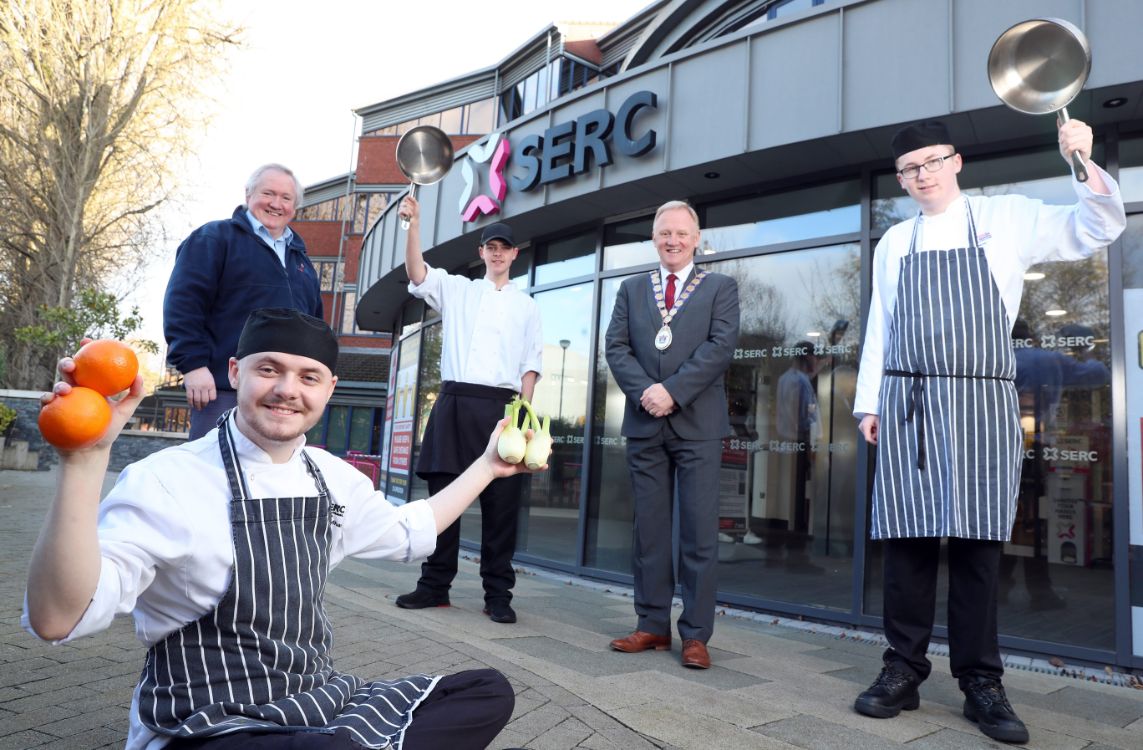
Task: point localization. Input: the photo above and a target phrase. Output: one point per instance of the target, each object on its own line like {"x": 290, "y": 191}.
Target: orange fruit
{"x": 76, "y": 420}
{"x": 106, "y": 366}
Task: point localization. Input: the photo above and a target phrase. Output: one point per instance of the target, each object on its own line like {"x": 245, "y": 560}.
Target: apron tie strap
{"x": 916, "y": 406}
{"x": 917, "y": 402}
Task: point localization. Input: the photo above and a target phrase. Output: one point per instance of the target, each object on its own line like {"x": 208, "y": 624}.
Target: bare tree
{"x": 100, "y": 102}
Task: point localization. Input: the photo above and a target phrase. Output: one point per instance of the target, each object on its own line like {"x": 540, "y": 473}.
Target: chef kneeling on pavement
{"x": 221, "y": 547}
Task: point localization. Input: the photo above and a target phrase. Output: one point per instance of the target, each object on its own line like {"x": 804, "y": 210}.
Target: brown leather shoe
{"x": 640, "y": 641}
{"x": 695, "y": 655}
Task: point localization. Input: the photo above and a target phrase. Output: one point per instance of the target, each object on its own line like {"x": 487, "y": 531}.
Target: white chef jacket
{"x": 1015, "y": 232}
{"x": 491, "y": 337}
{"x": 165, "y": 535}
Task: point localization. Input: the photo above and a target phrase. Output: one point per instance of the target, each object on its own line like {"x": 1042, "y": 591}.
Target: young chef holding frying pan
{"x": 935, "y": 394}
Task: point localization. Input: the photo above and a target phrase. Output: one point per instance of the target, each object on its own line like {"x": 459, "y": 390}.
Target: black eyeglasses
{"x": 932, "y": 165}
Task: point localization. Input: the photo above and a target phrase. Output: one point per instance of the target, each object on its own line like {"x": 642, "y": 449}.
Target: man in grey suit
{"x": 670, "y": 341}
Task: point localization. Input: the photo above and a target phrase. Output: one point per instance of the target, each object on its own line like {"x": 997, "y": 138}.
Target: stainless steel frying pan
{"x": 1038, "y": 67}
{"x": 424, "y": 156}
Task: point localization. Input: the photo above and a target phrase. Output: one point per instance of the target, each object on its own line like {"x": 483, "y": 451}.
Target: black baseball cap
{"x": 497, "y": 231}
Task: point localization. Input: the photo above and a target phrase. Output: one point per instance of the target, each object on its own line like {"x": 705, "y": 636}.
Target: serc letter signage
{"x": 568, "y": 148}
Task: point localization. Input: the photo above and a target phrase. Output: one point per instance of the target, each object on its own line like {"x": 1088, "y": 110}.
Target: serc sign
{"x": 563, "y": 151}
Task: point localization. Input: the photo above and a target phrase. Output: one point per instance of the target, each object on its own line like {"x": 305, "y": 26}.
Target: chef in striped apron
{"x": 221, "y": 548}
{"x": 936, "y": 396}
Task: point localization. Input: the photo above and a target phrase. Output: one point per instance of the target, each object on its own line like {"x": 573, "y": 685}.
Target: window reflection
{"x": 1060, "y": 555}
{"x": 566, "y": 258}
{"x": 788, "y": 470}
{"x": 628, "y": 244}
{"x": 610, "y": 510}
{"x": 550, "y": 528}
{"x": 789, "y": 216}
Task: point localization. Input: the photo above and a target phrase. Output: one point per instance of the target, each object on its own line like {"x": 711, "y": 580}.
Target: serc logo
{"x": 474, "y": 202}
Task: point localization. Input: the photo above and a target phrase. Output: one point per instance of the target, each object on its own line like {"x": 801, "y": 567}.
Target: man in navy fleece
{"x": 223, "y": 271}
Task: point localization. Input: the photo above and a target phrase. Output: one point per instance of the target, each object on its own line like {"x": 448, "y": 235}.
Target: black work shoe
{"x": 422, "y": 599}
{"x": 892, "y": 691}
{"x": 499, "y": 611}
{"x": 986, "y": 705}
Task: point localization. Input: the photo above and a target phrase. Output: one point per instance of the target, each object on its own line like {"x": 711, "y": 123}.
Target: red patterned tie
{"x": 671, "y": 278}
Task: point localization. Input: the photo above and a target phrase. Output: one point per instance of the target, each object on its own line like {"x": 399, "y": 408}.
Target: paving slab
{"x": 774, "y": 685}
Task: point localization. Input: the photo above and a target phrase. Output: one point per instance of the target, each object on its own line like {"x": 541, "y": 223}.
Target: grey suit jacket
{"x": 705, "y": 333}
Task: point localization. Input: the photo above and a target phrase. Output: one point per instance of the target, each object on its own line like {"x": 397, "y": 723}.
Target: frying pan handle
{"x": 413, "y": 193}
{"x": 1078, "y": 166}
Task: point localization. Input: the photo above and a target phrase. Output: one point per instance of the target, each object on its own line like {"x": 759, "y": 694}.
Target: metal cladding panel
{"x": 431, "y": 104}
{"x": 1114, "y": 32}
{"x": 788, "y": 106}
{"x": 627, "y": 169}
{"x": 976, "y": 24}
{"x": 708, "y": 114}
{"x": 896, "y": 55}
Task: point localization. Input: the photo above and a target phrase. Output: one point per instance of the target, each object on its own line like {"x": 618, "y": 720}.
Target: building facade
{"x": 774, "y": 119}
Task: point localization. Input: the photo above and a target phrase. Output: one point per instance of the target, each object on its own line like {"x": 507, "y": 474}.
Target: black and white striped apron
{"x": 949, "y": 448}
{"x": 261, "y": 660}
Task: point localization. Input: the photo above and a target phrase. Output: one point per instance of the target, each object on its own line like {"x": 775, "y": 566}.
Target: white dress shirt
{"x": 1015, "y": 232}
{"x": 680, "y": 276}
{"x": 491, "y": 336}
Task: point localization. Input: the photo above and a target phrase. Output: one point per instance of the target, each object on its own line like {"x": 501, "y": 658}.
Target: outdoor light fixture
{"x": 1055, "y": 313}
{"x": 1033, "y": 276}
{"x": 715, "y": 175}
{"x": 1115, "y": 102}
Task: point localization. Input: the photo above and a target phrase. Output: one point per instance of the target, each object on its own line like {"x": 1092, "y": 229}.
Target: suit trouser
{"x": 910, "y": 604}
{"x": 658, "y": 465}
{"x": 465, "y": 711}
{"x": 499, "y": 504}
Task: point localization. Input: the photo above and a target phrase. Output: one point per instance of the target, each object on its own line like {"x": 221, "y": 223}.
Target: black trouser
{"x": 499, "y": 504}
{"x": 910, "y": 604}
{"x": 465, "y": 711}
{"x": 204, "y": 420}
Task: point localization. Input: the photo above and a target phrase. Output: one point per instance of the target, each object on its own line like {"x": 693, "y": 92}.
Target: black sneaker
{"x": 986, "y": 705}
{"x": 499, "y": 611}
{"x": 892, "y": 691}
{"x": 422, "y": 599}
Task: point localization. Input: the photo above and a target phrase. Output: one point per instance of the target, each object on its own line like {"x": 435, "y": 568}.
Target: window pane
{"x": 609, "y": 506}
{"x": 567, "y": 258}
{"x": 551, "y": 525}
{"x": 450, "y": 121}
{"x": 361, "y": 429}
{"x": 338, "y": 429}
{"x": 788, "y": 471}
{"x": 628, "y": 244}
{"x": 349, "y": 311}
{"x": 820, "y": 211}
{"x": 481, "y": 117}
{"x": 1060, "y": 556}
{"x": 1131, "y": 169}
{"x": 361, "y": 201}
{"x": 377, "y": 204}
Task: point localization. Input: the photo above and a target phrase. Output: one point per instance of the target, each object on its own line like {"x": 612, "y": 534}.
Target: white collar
{"x": 248, "y": 450}
{"x": 681, "y": 275}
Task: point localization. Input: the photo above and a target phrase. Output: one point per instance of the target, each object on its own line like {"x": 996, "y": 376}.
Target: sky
{"x": 288, "y": 96}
